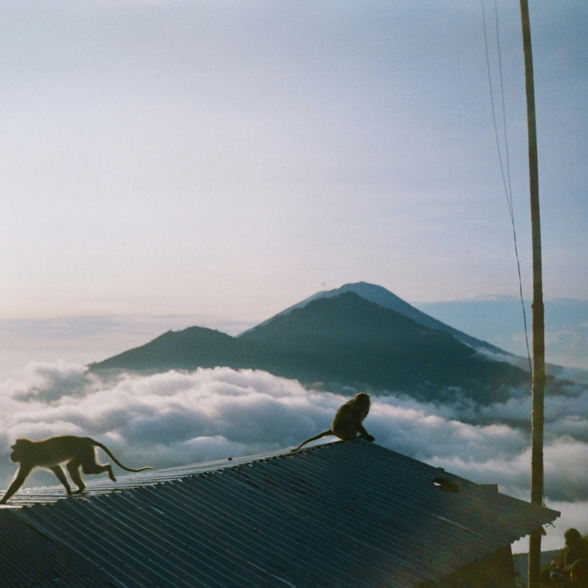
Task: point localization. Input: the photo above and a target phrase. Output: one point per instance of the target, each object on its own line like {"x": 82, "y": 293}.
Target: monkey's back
{"x": 54, "y": 450}
{"x": 347, "y": 417}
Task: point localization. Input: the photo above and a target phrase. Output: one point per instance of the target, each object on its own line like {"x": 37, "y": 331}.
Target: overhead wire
{"x": 506, "y": 177}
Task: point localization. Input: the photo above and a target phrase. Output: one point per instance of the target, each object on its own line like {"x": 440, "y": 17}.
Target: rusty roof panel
{"x": 343, "y": 514}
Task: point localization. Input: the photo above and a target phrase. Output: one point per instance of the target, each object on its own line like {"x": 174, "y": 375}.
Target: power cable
{"x": 506, "y": 180}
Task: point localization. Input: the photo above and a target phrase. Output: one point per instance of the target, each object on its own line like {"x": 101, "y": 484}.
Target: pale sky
{"x": 230, "y": 158}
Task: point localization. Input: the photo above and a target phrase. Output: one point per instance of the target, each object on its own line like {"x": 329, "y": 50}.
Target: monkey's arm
{"x": 18, "y": 481}
{"x": 364, "y": 434}
{"x": 323, "y": 434}
{"x": 61, "y": 477}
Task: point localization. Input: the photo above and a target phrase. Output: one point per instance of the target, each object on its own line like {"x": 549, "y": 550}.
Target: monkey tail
{"x": 109, "y": 453}
{"x": 323, "y": 434}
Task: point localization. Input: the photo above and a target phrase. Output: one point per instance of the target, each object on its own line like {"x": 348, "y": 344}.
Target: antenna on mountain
{"x": 538, "y": 386}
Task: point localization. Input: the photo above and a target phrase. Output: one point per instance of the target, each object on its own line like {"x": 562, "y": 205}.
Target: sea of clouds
{"x": 179, "y": 418}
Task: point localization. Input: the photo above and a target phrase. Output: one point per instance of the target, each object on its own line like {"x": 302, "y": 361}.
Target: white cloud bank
{"x": 178, "y": 418}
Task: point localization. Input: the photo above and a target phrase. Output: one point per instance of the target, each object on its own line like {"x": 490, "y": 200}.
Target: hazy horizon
{"x": 86, "y": 339}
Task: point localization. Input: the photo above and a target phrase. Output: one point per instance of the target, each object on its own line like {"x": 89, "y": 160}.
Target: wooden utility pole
{"x": 538, "y": 386}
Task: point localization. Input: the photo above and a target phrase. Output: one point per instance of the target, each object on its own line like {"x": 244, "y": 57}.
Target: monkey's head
{"x": 362, "y": 400}
{"x": 19, "y": 450}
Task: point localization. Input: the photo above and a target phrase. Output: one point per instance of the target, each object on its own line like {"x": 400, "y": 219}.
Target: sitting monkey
{"x": 347, "y": 422}
{"x": 49, "y": 453}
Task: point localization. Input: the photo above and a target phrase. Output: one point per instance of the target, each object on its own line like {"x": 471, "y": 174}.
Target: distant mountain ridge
{"x": 338, "y": 340}
{"x": 386, "y": 299}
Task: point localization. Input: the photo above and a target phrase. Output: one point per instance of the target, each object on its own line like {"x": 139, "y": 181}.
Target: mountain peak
{"x": 386, "y": 299}
{"x": 339, "y": 338}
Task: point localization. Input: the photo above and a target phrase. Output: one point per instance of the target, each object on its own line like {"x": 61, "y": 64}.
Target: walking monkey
{"x": 49, "y": 453}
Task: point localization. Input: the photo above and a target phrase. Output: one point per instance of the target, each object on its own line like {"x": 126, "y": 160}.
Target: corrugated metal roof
{"x": 343, "y": 514}
{"x": 29, "y": 559}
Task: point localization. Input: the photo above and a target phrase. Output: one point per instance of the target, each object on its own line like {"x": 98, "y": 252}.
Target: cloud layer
{"x": 178, "y": 418}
